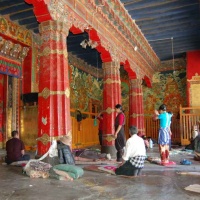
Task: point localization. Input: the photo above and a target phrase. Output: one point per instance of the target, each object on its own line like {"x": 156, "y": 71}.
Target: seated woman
{"x": 134, "y": 155}
{"x": 64, "y": 151}
{"x": 65, "y": 154}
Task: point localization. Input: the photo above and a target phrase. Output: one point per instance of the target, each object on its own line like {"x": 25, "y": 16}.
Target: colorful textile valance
{"x": 10, "y": 68}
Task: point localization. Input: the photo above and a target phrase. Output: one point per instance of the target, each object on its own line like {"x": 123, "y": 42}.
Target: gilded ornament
{"x": 110, "y": 81}
{"x": 195, "y": 78}
{"x": 44, "y": 139}
{"x": 47, "y": 51}
{"x": 110, "y": 110}
{"x": 1, "y": 145}
{"x": 136, "y": 94}
{"x": 135, "y": 115}
{"x": 108, "y": 138}
{"x": 46, "y": 93}
{"x": 3, "y": 25}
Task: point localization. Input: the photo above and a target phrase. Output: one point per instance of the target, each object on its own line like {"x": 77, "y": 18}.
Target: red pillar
{"x": 1, "y": 108}
{"x": 136, "y": 109}
{"x": 111, "y": 97}
{"x": 54, "y": 90}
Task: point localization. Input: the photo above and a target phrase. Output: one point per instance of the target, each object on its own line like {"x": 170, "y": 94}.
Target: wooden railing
{"x": 189, "y": 116}
{"x": 152, "y": 127}
{"x": 84, "y": 133}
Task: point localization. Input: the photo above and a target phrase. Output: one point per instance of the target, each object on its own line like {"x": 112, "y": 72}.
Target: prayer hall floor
{"x": 158, "y": 183}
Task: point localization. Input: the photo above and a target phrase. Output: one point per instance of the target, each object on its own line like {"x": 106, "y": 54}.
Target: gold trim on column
{"x": 136, "y": 94}
{"x": 141, "y": 129}
{"x": 46, "y": 93}
{"x": 47, "y": 51}
{"x": 108, "y": 138}
{"x": 45, "y": 138}
{"x": 110, "y": 81}
{"x": 109, "y": 110}
{"x": 135, "y": 115}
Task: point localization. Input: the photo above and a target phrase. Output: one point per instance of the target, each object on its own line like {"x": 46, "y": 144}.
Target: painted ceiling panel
{"x": 167, "y": 24}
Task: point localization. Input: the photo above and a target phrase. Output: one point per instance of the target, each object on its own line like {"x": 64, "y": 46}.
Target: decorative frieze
{"x": 168, "y": 65}
{"x": 12, "y": 50}
{"x": 15, "y": 31}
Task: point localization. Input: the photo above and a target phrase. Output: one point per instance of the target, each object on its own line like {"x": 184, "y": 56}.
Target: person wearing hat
{"x": 64, "y": 151}
{"x": 119, "y": 135}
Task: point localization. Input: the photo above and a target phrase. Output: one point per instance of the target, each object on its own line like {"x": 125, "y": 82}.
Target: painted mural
{"x": 168, "y": 87}
{"x": 84, "y": 87}
{"x": 125, "y": 95}
{"x": 124, "y": 89}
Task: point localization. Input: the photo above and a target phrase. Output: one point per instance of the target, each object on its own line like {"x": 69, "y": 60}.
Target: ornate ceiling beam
{"x": 118, "y": 33}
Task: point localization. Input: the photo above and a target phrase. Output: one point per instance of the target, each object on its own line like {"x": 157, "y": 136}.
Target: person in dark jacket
{"x": 64, "y": 151}
{"x": 15, "y": 149}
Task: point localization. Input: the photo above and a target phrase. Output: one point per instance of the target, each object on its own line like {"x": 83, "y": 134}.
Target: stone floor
{"x": 157, "y": 183}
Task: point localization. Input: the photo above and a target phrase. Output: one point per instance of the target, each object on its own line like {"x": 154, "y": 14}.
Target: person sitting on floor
{"x": 15, "y": 149}
{"x": 64, "y": 151}
{"x": 65, "y": 154}
{"x": 134, "y": 155}
{"x": 195, "y": 134}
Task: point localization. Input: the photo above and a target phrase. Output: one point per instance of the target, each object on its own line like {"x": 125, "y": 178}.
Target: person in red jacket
{"x": 120, "y": 140}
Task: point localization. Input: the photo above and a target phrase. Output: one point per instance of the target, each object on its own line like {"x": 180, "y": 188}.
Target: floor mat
{"x": 105, "y": 169}
{"x": 193, "y": 188}
{"x": 110, "y": 169}
{"x": 156, "y": 160}
{"x": 189, "y": 173}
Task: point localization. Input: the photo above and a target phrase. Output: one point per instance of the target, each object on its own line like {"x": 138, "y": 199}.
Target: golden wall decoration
{"x": 29, "y": 118}
{"x": 194, "y": 90}
{"x": 195, "y": 94}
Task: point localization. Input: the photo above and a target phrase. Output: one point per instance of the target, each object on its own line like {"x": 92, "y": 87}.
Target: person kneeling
{"x": 134, "y": 155}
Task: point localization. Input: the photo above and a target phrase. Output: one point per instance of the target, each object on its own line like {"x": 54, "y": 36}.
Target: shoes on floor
{"x": 185, "y": 162}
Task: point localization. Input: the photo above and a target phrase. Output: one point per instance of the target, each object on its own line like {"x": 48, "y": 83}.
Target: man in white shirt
{"x": 134, "y": 155}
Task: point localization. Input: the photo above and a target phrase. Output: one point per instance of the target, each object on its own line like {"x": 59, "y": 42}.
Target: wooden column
{"x": 1, "y": 108}
{"x": 111, "y": 97}
{"x": 54, "y": 90}
{"x": 136, "y": 110}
